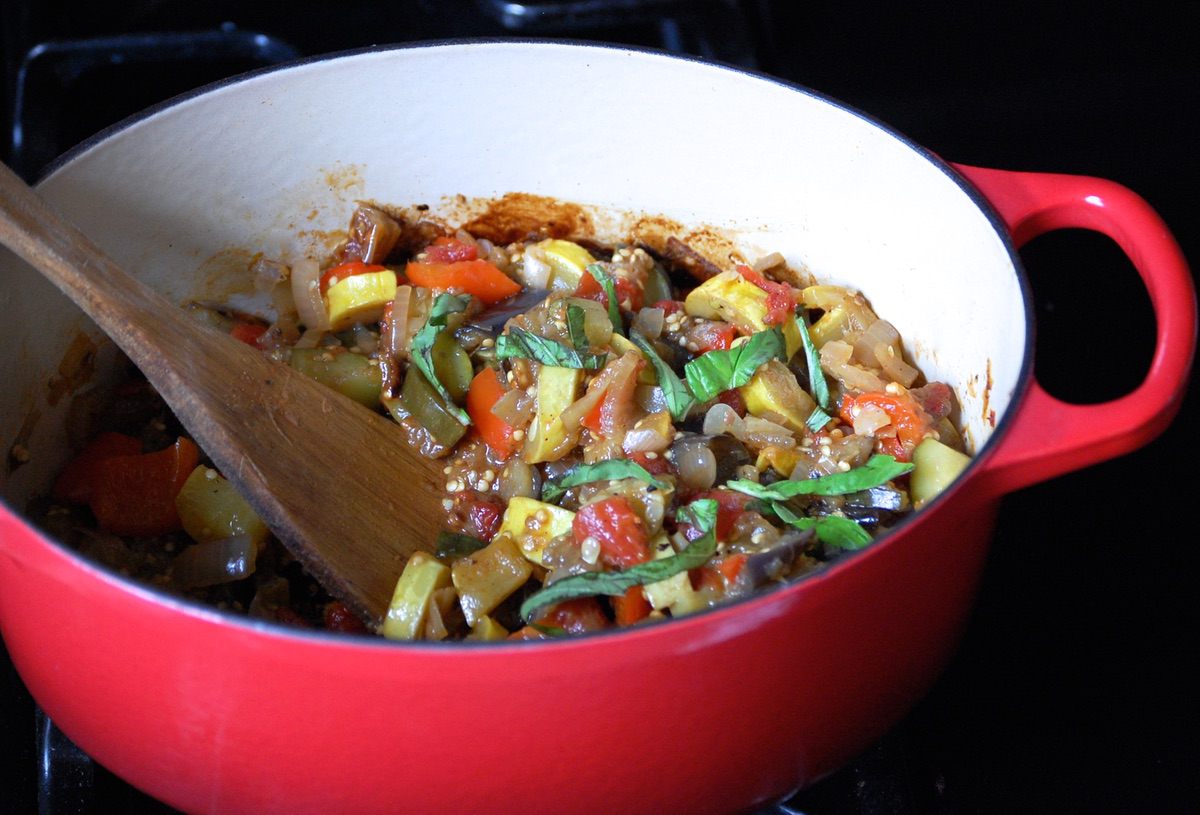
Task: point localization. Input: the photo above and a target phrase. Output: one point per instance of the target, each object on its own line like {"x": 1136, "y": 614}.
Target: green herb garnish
{"x": 817, "y": 420}
{"x": 575, "y": 328}
{"x": 702, "y": 514}
{"x": 610, "y": 289}
{"x": 817, "y": 385}
{"x": 454, "y": 544}
{"x": 679, "y": 399}
{"x": 878, "y": 470}
{"x": 521, "y": 343}
{"x": 422, "y": 347}
{"x": 716, "y": 371}
{"x": 839, "y": 533}
{"x": 612, "y": 470}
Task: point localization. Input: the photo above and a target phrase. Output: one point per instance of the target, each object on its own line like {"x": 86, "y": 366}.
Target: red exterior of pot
{"x": 714, "y": 713}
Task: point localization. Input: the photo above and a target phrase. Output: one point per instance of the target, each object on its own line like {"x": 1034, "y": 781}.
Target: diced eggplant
{"x": 775, "y": 563}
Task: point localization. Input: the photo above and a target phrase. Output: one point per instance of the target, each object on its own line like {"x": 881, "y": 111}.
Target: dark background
{"x": 1072, "y": 689}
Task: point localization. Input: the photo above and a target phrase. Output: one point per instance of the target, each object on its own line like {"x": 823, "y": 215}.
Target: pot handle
{"x": 1050, "y": 437}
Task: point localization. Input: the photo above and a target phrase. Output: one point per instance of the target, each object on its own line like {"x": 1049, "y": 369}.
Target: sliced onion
{"x": 649, "y": 322}
{"x": 878, "y": 332}
{"x": 311, "y": 338}
{"x": 835, "y": 360}
{"x": 395, "y": 330}
{"x": 768, "y": 262}
{"x": 514, "y": 408}
{"x": 893, "y": 365}
{"x": 645, "y": 440}
{"x": 519, "y": 479}
{"x": 650, "y": 398}
{"x": 221, "y": 561}
{"x": 721, "y": 418}
{"x": 267, "y": 273}
{"x": 535, "y": 271}
{"x": 306, "y": 291}
{"x": 761, "y": 432}
{"x": 869, "y": 418}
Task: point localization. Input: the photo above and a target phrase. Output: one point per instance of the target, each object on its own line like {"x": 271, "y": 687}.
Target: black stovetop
{"x": 1071, "y": 690}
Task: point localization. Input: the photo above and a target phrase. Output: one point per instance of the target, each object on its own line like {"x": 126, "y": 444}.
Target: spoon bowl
{"x": 335, "y": 482}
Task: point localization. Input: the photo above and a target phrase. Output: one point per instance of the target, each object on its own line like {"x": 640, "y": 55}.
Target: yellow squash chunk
{"x": 359, "y": 298}
{"x": 487, "y": 630}
{"x": 782, "y": 460}
{"x": 774, "y": 394}
{"x": 568, "y": 261}
{"x": 623, "y": 345}
{"x": 730, "y": 297}
{"x": 532, "y": 524}
{"x": 675, "y": 590}
{"x": 935, "y": 466}
{"x": 556, "y": 389}
{"x": 484, "y": 579}
{"x": 211, "y": 509}
{"x": 406, "y": 616}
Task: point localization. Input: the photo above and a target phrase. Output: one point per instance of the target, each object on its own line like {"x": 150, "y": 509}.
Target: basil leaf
{"x": 600, "y": 471}
{"x": 817, "y": 385}
{"x": 575, "y": 328}
{"x": 818, "y": 419}
{"x": 422, "y": 347}
{"x": 549, "y": 630}
{"x": 878, "y": 470}
{"x": 521, "y": 343}
{"x": 716, "y": 371}
{"x": 701, "y": 513}
{"x": 679, "y": 398}
{"x": 839, "y": 533}
{"x": 610, "y": 289}
{"x": 454, "y": 544}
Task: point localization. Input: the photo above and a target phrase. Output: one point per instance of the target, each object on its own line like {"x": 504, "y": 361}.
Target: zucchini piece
{"x": 347, "y": 373}
{"x": 532, "y": 531}
{"x": 935, "y": 466}
{"x": 210, "y": 509}
{"x": 730, "y": 297}
{"x": 359, "y": 298}
{"x": 567, "y": 261}
{"x": 486, "y": 630}
{"x": 425, "y": 405}
{"x": 556, "y": 389}
{"x": 487, "y": 577}
{"x": 406, "y": 616}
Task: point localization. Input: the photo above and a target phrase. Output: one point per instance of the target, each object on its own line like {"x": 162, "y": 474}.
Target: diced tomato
{"x": 135, "y": 495}
{"x": 354, "y": 267}
{"x": 655, "y": 466}
{"x": 578, "y": 616}
{"x": 614, "y": 411}
{"x": 617, "y": 528}
{"x": 631, "y": 606}
{"x": 733, "y": 398}
{"x": 485, "y": 391}
{"x": 249, "y": 333}
{"x": 450, "y": 250}
{"x": 730, "y": 505}
{"x": 713, "y": 336}
{"x": 628, "y": 291}
{"x": 590, "y": 289}
{"x": 74, "y": 484}
{"x": 669, "y": 307}
{"x": 909, "y": 419}
{"x": 781, "y": 298}
{"x": 339, "y": 618}
{"x": 483, "y": 518}
{"x": 730, "y": 566}
{"x": 476, "y": 277}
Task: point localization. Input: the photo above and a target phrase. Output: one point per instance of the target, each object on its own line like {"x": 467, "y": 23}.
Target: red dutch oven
{"x": 719, "y": 712}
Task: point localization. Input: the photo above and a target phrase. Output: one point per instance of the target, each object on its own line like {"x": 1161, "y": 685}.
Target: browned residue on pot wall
{"x": 520, "y": 216}
{"x": 77, "y": 366}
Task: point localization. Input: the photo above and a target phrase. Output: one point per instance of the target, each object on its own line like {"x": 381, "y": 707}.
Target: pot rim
{"x": 681, "y": 626}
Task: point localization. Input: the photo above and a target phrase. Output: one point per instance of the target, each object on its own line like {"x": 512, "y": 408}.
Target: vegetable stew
{"x": 623, "y": 442}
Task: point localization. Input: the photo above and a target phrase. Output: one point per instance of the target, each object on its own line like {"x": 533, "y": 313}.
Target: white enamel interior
{"x": 254, "y": 164}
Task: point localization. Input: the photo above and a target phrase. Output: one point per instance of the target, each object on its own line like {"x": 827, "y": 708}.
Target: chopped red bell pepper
{"x": 248, "y": 332}
{"x": 617, "y": 528}
{"x": 578, "y": 616}
{"x": 74, "y": 484}
{"x": 476, "y": 277}
{"x": 669, "y": 307}
{"x": 485, "y": 391}
{"x": 354, "y": 267}
{"x": 135, "y": 495}
{"x": 730, "y": 506}
{"x": 631, "y": 606}
{"x": 590, "y": 289}
{"x": 337, "y": 617}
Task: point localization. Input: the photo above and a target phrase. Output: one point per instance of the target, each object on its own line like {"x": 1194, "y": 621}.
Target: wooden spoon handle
{"x": 336, "y": 482}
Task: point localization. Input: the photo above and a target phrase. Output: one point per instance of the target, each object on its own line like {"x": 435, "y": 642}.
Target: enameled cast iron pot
{"x": 713, "y": 713}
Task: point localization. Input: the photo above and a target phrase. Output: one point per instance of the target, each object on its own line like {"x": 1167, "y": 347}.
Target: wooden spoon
{"x": 336, "y": 483}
